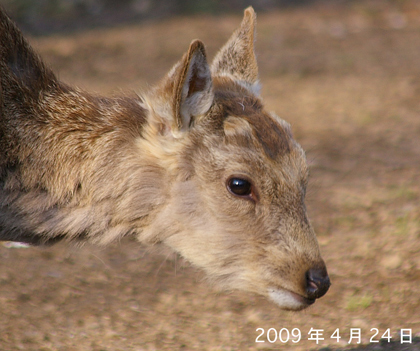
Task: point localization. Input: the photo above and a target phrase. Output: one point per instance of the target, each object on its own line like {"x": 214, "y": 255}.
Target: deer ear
{"x": 186, "y": 93}
{"x": 193, "y": 93}
{"x": 237, "y": 57}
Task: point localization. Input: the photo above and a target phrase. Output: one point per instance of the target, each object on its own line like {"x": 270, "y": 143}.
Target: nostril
{"x": 317, "y": 282}
{"x": 312, "y": 287}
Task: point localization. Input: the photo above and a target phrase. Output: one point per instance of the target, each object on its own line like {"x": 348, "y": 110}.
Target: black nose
{"x": 317, "y": 282}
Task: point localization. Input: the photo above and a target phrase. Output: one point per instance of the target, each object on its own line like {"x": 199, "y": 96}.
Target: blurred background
{"x": 345, "y": 75}
{"x": 44, "y": 16}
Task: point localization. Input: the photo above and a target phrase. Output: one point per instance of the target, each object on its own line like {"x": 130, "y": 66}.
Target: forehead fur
{"x": 258, "y": 126}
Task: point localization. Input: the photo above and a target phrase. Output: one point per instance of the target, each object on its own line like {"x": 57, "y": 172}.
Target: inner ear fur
{"x": 185, "y": 93}
{"x": 193, "y": 94}
{"x": 237, "y": 57}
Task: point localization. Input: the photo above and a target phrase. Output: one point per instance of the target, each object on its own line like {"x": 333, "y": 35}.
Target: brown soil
{"x": 348, "y": 80}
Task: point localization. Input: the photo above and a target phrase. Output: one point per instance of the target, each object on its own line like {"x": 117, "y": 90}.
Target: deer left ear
{"x": 193, "y": 93}
{"x": 185, "y": 94}
{"x": 236, "y": 58}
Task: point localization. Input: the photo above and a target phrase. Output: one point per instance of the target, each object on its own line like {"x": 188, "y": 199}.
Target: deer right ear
{"x": 186, "y": 93}
{"x": 236, "y": 59}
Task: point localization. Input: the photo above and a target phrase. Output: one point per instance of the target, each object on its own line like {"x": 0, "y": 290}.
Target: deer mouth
{"x": 289, "y": 300}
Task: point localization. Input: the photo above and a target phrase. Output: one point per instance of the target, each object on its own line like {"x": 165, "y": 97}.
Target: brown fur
{"x": 80, "y": 167}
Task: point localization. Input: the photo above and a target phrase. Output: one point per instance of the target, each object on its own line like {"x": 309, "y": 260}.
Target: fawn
{"x": 196, "y": 164}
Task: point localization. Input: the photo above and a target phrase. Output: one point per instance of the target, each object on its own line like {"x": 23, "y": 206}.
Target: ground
{"x": 348, "y": 80}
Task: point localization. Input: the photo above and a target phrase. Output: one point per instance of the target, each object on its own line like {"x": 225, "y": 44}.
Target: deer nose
{"x": 317, "y": 282}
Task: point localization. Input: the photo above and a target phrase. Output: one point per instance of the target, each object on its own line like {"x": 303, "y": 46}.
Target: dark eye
{"x": 239, "y": 186}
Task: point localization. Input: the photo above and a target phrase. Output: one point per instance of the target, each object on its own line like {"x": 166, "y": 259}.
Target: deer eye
{"x": 239, "y": 187}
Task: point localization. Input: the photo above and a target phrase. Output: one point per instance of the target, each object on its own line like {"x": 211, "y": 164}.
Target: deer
{"x": 195, "y": 164}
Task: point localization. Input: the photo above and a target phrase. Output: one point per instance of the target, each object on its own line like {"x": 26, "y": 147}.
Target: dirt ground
{"x": 348, "y": 80}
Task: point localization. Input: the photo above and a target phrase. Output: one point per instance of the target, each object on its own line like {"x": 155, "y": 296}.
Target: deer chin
{"x": 289, "y": 300}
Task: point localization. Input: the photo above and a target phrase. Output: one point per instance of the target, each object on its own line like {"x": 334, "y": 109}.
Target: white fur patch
{"x": 286, "y": 299}
{"x": 254, "y": 88}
